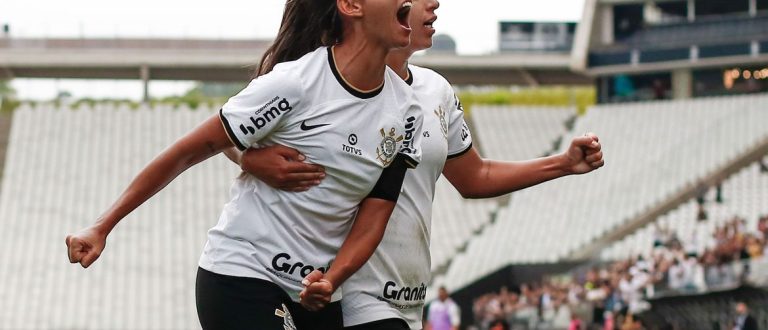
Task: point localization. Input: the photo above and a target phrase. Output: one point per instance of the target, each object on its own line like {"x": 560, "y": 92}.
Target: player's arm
{"x": 278, "y": 166}
{"x": 233, "y": 154}
{"x": 208, "y": 139}
{"x": 475, "y": 177}
{"x": 363, "y": 238}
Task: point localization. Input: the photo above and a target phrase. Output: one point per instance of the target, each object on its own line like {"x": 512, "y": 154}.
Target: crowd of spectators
{"x": 607, "y": 296}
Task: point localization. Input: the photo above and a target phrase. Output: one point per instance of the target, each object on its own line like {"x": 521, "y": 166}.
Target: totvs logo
{"x": 264, "y": 115}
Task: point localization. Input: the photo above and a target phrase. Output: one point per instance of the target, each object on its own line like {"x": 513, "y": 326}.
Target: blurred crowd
{"x": 607, "y": 296}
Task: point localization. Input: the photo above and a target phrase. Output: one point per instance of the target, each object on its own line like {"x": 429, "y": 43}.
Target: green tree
{"x": 7, "y": 96}
{"x": 6, "y": 90}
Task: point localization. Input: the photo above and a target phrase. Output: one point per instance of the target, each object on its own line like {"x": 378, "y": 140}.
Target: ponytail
{"x": 306, "y": 25}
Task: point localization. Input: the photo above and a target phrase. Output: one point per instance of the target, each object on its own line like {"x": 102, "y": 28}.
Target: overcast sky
{"x": 472, "y": 23}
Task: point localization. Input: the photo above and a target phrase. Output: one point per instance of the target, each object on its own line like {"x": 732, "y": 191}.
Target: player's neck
{"x": 397, "y": 60}
{"x": 360, "y": 63}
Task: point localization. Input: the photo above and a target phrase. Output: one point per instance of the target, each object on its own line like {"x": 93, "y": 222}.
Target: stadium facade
{"x": 673, "y": 49}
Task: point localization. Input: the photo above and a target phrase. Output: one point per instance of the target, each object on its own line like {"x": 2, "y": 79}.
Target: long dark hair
{"x": 306, "y": 25}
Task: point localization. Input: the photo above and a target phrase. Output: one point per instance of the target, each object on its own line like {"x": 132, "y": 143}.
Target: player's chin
{"x": 422, "y": 43}
{"x": 402, "y": 43}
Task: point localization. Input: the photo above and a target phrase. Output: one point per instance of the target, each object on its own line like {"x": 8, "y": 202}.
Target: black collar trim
{"x": 352, "y": 90}
{"x": 409, "y": 80}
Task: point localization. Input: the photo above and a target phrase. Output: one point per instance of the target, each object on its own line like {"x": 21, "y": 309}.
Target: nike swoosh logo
{"x": 305, "y": 127}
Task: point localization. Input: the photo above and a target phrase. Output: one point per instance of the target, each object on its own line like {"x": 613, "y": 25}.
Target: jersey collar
{"x": 409, "y": 80}
{"x": 351, "y": 89}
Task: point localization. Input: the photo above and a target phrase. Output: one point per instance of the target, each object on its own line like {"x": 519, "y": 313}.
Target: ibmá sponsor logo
{"x": 263, "y": 117}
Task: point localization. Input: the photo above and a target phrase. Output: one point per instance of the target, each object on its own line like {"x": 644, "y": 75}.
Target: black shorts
{"x": 388, "y": 324}
{"x": 242, "y": 303}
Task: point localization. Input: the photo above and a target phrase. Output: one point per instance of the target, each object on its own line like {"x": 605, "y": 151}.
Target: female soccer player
{"x": 344, "y": 109}
{"x": 402, "y": 260}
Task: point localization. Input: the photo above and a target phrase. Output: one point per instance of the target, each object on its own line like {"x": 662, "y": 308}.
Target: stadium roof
{"x": 232, "y": 60}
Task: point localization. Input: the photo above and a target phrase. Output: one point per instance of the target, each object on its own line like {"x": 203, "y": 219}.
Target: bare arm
{"x": 278, "y": 166}
{"x": 208, "y": 139}
{"x": 475, "y": 177}
{"x": 233, "y": 154}
{"x": 362, "y": 240}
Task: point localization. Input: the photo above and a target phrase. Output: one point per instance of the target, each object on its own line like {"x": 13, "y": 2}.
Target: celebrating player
{"x": 344, "y": 109}
{"x": 402, "y": 260}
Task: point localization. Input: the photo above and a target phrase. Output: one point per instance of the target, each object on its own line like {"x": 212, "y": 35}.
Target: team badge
{"x": 388, "y": 146}
{"x": 287, "y": 318}
{"x": 440, "y": 113}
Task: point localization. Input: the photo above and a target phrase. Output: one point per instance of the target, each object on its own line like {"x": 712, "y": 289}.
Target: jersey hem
{"x": 223, "y": 270}
{"x": 363, "y": 317}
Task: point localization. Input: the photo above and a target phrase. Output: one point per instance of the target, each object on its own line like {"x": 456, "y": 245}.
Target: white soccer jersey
{"x": 393, "y": 283}
{"x": 282, "y": 236}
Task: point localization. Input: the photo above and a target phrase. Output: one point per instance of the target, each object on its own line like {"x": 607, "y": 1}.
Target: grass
{"x": 580, "y": 97}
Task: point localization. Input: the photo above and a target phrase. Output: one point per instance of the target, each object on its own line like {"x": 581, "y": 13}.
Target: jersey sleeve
{"x": 260, "y": 108}
{"x": 411, "y": 147}
{"x": 459, "y": 136}
{"x": 390, "y": 182}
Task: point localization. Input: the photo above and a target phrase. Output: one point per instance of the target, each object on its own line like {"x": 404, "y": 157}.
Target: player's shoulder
{"x": 399, "y": 88}
{"x": 304, "y": 67}
{"x": 317, "y": 57}
{"x": 427, "y": 75}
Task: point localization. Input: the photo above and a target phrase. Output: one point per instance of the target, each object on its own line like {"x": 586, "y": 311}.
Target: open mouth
{"x": 402, "y": 14}
{"x": 430, "y": 22}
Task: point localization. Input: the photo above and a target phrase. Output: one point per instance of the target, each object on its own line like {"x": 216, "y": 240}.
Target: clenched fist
{"x": 85, "y": 246}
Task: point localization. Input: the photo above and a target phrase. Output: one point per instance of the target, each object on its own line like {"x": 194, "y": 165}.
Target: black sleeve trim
{"x": 461, "y": 153}
{"x": 391, "y": 180}
{"x": 229, "y": 131}
{"x": 409, "y": 161}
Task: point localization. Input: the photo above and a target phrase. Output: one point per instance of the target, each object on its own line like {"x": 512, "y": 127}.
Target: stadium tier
{"x": 516, "y": 133}
{"x": 744, "y": 195}
{"x": 65, "y": 167}
{"x": 507, "y": 133}
{"x": 454, "y": 221}
{"x": 653, "y": 151}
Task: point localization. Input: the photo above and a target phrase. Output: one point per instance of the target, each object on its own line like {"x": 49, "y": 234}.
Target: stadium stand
{"x": 455, "y": 219}
{"x": 63, "y": 168}
{"x": 654, "y": 149}
{"x": 743, "y": 195}
{"x": 505, "y": 127}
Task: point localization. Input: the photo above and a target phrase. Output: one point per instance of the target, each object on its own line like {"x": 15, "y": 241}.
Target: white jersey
{"x": 305, "y": 104}
{"x": 393, "y": 283}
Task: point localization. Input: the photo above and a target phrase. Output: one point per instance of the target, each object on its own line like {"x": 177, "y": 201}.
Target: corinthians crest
{"x": 440, "y": 112}
{"x": 388, "y": 146}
